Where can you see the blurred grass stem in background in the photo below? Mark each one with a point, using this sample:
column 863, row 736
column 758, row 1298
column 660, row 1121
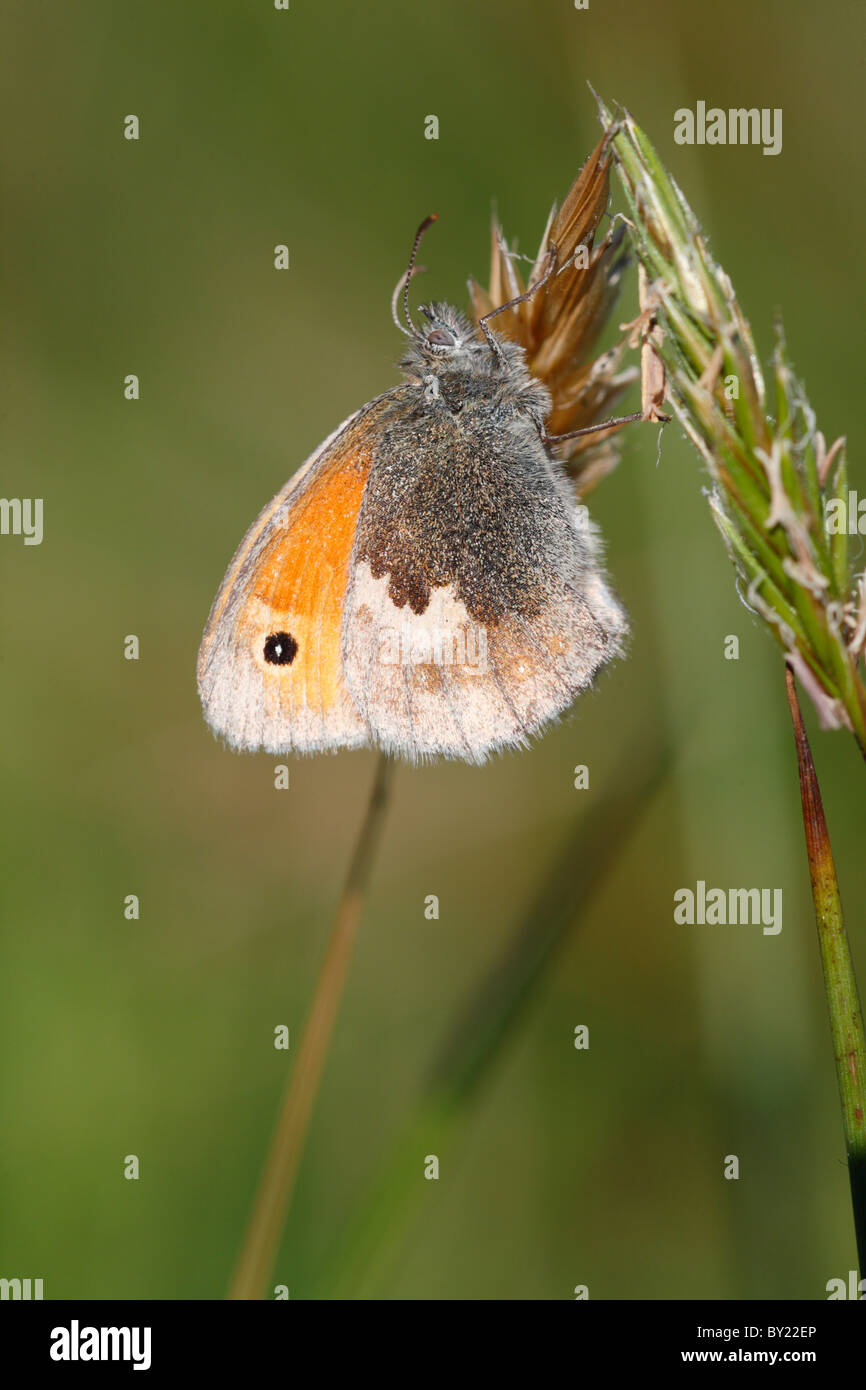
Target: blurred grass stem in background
column 274, row 1195
column 489, row 1018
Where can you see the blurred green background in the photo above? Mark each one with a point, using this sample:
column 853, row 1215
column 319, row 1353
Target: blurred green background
column 155, row 1037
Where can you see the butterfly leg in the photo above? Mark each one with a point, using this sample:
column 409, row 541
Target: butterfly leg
column 646, row 332
column 591, row 429
column 548, row 273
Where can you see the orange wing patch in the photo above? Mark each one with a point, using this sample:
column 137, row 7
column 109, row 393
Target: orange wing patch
column 270, row 665
column 301, row 581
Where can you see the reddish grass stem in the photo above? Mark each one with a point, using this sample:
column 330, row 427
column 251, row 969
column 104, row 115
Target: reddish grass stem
column 846, row 1019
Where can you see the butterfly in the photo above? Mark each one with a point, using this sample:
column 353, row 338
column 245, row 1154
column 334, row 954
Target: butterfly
column 427, row 583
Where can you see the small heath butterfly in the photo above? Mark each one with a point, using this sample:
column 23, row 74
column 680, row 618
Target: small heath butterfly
column 426, row 582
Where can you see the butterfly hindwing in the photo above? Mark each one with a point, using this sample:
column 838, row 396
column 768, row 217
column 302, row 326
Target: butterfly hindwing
column 476, row 611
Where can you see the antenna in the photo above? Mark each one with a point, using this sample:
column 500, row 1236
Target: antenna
column 410, row 270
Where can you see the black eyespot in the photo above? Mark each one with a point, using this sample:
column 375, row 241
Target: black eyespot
column 280, row 649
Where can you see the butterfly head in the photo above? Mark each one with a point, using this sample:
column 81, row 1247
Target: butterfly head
column 446, row 336
column 446, row 331
column 449, row 348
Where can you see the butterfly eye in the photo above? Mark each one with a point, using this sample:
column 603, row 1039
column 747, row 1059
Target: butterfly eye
column 440, row 337
column 280, row 649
